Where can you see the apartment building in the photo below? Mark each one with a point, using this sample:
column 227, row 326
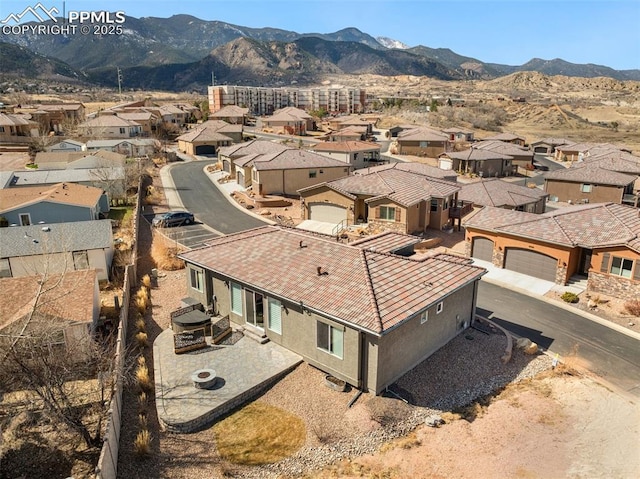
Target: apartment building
column 264, row 101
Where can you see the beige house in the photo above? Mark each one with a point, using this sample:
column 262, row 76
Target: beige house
column 484, row 163
column 520, row 155
column 504, row 194
column 385, row 197
column 547, row 146
column 357, row 154
column 67, row 310
column 286, row 172
column 228, row 154
column 208, row 137
column 459, row 135
column 288, row 121
column 109, row 125
column 232, row 114
column 422, row 141
column 598, row 241
column 56, row 117
column 508, row 138
column 146, row 119
column 350, row 133
column 17, row 128
column 362, row 315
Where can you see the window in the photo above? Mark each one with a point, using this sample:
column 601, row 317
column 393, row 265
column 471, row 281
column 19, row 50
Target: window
column 122, row 131
column 424, row 316
column 621, row 267
column 1, row 129
column 387, row 213
column 197, row 280
column 236, row 299
column 330, row 339
column 586, row 188
column 439, row 307
column 80, row 260
column 313, row 173
column 275, row 316
column 25, row 219
column 424, row 144
column 434, row 205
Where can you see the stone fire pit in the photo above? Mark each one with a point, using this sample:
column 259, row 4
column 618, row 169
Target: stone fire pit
column 204, row 378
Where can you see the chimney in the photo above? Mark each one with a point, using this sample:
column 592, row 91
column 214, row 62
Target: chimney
column 319, row 270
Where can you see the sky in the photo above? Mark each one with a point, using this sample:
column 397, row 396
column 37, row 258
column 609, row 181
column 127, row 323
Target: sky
column 509, row 32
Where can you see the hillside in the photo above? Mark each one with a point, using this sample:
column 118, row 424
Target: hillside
column 19, row 61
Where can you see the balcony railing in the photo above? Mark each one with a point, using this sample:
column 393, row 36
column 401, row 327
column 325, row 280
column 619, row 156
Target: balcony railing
column 460, row 211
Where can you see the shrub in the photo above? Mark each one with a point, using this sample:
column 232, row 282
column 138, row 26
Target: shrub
column 144, row 378
column 142, row 443
column 142, row 420
column 569, row 297
column 632, row 307
column 142, row 339
column 141, row 304
column 164, row 255
column 146, row 281
column 141, row 325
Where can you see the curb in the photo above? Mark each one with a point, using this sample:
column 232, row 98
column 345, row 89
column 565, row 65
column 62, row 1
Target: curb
column 566, row 307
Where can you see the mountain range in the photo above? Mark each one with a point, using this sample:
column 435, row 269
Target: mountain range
column 182, row 52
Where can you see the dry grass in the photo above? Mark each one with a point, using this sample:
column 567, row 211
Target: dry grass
column 406, row 442
column 142, row 339
column 142, row 443
column 144, row 378
column 164, row 255
column 259, row 434
column 146, row 281
column 632, row 307
column 141, row 326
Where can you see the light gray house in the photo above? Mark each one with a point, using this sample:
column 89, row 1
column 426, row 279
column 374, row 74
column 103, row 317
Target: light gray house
column 56, row 248
column 63, row 202
column 363, row 315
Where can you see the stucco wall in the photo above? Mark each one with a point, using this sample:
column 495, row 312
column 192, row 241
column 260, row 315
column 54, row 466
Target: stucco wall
column 570, row 191
column 326, row 195
column 288, row 182
column 398, row 351
column 434, row 149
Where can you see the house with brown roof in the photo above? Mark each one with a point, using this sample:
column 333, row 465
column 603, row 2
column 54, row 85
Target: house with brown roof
column 595, row 181
column 362, row 316
column 208, row 137
column 352, row 122
column 63, row 202
column 547, row 146
column 475, row 161
column 503, row 194
column 289, row 120
column 522, row 156
column 56, row 117
column 422, row 141
column 146, row 119
column 351, row 133
column 508, row 138
column 598, row 241
column 286, row 172
column 65, row 307
column 63, row 160
column 57, row 248
column 228, row 154
column 459, row 135
column 232, row 114
column 357, row 154
column 385, row 197
column 16, row 128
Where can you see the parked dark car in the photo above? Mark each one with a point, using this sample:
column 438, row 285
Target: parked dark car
column 173, row 218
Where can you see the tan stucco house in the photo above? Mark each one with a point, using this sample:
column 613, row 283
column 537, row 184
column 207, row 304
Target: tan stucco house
column 336, row 305
column 484, row 163
column 422, row 141
column 208, row 137
column 386, row 197
column 599, row 241
column 503, row 194
column 357, row 154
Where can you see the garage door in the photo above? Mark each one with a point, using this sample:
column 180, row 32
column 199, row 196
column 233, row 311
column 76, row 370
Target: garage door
column 530, row 262
column 226, row 166
column 482, row 249
column 327, row 213
column 205, row 150
column 541, row 149
column 240, row 178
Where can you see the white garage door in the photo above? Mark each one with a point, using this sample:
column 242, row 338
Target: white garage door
column 532, row 263
column 327, row 213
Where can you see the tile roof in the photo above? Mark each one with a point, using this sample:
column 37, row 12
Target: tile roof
column 386, row 242
column 293, row 158
column 422, row 134
column 346, row 146
column 596, row 225
column 595, row 173
column 417, row 168
column 475, row 154
column 63, row 193
column 8, row 119
column 289, row 113
column 624, row 163
column 105, row 121
column 67, row 297
column 495, row 192
column 371, row 291
column 61, row 237
column 458, row 130
column 505, row 137
column 60, row 106
column 403, row 187
column 252, row 147
column 504, row 148
column 211, row 130
column 552, row 141
column 229, row 111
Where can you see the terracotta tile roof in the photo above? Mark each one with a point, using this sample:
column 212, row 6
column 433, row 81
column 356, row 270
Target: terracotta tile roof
column 289, row 114
column 67, row 297
column 476, row 154
column 422, row 134
column 64, row 193
column 403, row 187
column 595, row 225
column 346, row 146
column 293, row 158
column 371, row 291
column 417, row 168
column 136, row 116
column 495, row 192
column 386, row 242
column 212, row 130
column 623, row 164
column 595, row 173
column 504, row 148
column 351, row 131
column 252, row 147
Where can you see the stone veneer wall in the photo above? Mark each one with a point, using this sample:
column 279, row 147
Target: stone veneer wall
column 613, row 285
column 376, row 225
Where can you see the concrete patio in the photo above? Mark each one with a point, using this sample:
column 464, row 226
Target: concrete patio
column 243, row 371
